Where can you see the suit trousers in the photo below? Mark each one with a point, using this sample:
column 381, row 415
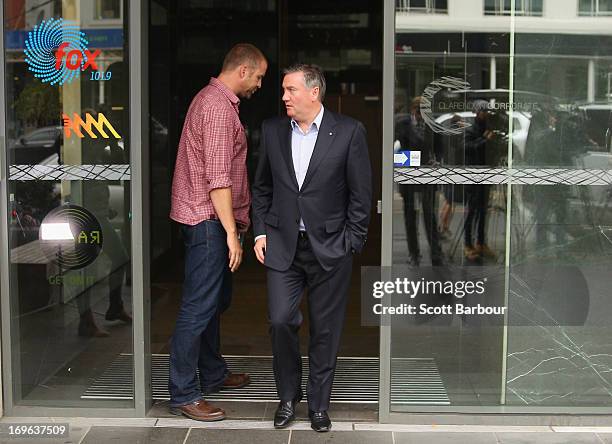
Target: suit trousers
column 327, row 300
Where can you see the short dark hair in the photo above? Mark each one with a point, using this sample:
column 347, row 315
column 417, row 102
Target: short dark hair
column 242, row 54
column 313, row 76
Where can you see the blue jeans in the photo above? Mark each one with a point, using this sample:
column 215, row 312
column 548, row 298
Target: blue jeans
column 206, row 294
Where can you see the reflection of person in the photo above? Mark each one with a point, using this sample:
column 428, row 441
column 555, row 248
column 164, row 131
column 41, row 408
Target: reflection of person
column 552, row 142
column 453, row 154
column 551, row 208
column 210, row 199
column 477, row 196
column 411, row 134
column 96, row 198
column 311, row 208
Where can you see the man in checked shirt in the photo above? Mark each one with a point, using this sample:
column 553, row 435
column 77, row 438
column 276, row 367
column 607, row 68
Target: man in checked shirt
column 211, row 199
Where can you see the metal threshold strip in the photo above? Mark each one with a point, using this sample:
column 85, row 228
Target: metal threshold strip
column 414, row 381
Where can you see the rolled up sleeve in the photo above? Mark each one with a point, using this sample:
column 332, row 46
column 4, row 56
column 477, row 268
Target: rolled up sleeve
column 219, row 149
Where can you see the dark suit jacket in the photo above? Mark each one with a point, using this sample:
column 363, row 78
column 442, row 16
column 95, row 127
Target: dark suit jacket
column 335, row 199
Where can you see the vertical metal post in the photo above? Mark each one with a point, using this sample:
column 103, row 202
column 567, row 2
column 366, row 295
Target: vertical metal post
column 384, row 397
column 139, row 149
column 6, row 393
column 502, row 399
column 591, row 81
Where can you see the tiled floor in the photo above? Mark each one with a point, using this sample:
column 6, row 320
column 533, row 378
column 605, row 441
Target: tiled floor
column 184, row 431
column 264, row 411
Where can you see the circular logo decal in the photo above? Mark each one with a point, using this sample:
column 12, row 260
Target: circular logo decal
column 447, row 83
column 58, row 35
column 71, row 236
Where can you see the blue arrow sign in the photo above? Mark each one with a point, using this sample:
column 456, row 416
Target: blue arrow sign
column 407, row 158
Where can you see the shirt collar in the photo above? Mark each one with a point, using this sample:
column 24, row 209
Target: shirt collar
column 225, row 90
column 316, row 122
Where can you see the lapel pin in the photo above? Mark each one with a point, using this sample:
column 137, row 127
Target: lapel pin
column 331, row 134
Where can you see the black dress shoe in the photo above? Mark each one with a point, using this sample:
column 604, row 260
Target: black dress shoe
column 319, row 421
column 285, row 412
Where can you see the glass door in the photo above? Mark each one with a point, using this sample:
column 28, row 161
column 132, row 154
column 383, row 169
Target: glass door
column 68, row 300
column 496, row 210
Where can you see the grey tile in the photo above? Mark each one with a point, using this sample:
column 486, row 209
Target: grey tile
column 509, row 420
column 233, row 410
column 354, row 412
column 160, row 409
column 226, row 436
column 75, row 436
column 547, row 438
column 243, row 410
column 605, row 437
column 445, row 438
column 135, row 435
column 311, row 437
column 337, row 412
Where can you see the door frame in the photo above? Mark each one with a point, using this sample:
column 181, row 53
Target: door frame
column 138, row 19
column 386, row 254
column 5, row 379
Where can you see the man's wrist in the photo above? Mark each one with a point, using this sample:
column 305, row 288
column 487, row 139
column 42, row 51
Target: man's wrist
column 260, row 237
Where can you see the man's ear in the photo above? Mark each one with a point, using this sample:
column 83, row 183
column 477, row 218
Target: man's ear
column 243, row 71
column 315, row 92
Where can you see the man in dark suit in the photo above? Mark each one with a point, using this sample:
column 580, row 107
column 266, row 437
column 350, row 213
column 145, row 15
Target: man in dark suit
column 311, row 208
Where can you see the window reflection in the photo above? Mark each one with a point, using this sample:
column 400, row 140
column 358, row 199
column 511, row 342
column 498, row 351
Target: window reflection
column 513, row 181
column 69, row 227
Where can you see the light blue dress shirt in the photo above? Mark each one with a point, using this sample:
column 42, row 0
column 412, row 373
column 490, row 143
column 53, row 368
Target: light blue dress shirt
column 302, row 146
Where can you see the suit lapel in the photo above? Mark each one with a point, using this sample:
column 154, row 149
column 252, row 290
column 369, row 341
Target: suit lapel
column 325, row 137
column 284, row 137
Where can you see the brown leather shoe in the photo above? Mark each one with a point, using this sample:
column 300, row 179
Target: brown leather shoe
column 236, row 380
column 200, row 411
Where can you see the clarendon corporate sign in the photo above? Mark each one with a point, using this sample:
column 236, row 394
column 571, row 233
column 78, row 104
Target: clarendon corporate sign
column 432, row 105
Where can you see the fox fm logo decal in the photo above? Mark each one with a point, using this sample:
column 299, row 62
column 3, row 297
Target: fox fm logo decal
column 56, row 52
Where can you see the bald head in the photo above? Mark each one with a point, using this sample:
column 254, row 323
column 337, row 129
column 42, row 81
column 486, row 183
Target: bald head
column 243, row 70
column 242, row 54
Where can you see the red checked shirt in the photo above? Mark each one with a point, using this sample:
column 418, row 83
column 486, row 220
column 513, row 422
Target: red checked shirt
column 211, row 154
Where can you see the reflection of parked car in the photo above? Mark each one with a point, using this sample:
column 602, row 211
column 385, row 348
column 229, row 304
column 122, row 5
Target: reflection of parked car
column 37, row 146
column 599, row 123
column 451, row 108
column 520, row 127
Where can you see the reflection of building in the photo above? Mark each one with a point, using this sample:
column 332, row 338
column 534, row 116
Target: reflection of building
column 562, row 47
column 100, row 20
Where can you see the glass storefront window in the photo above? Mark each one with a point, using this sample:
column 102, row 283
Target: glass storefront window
column 108, row 9
column 503, row 139
column 69, row 203
column 423, row 6
column 521, row 7
column 595, row 7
